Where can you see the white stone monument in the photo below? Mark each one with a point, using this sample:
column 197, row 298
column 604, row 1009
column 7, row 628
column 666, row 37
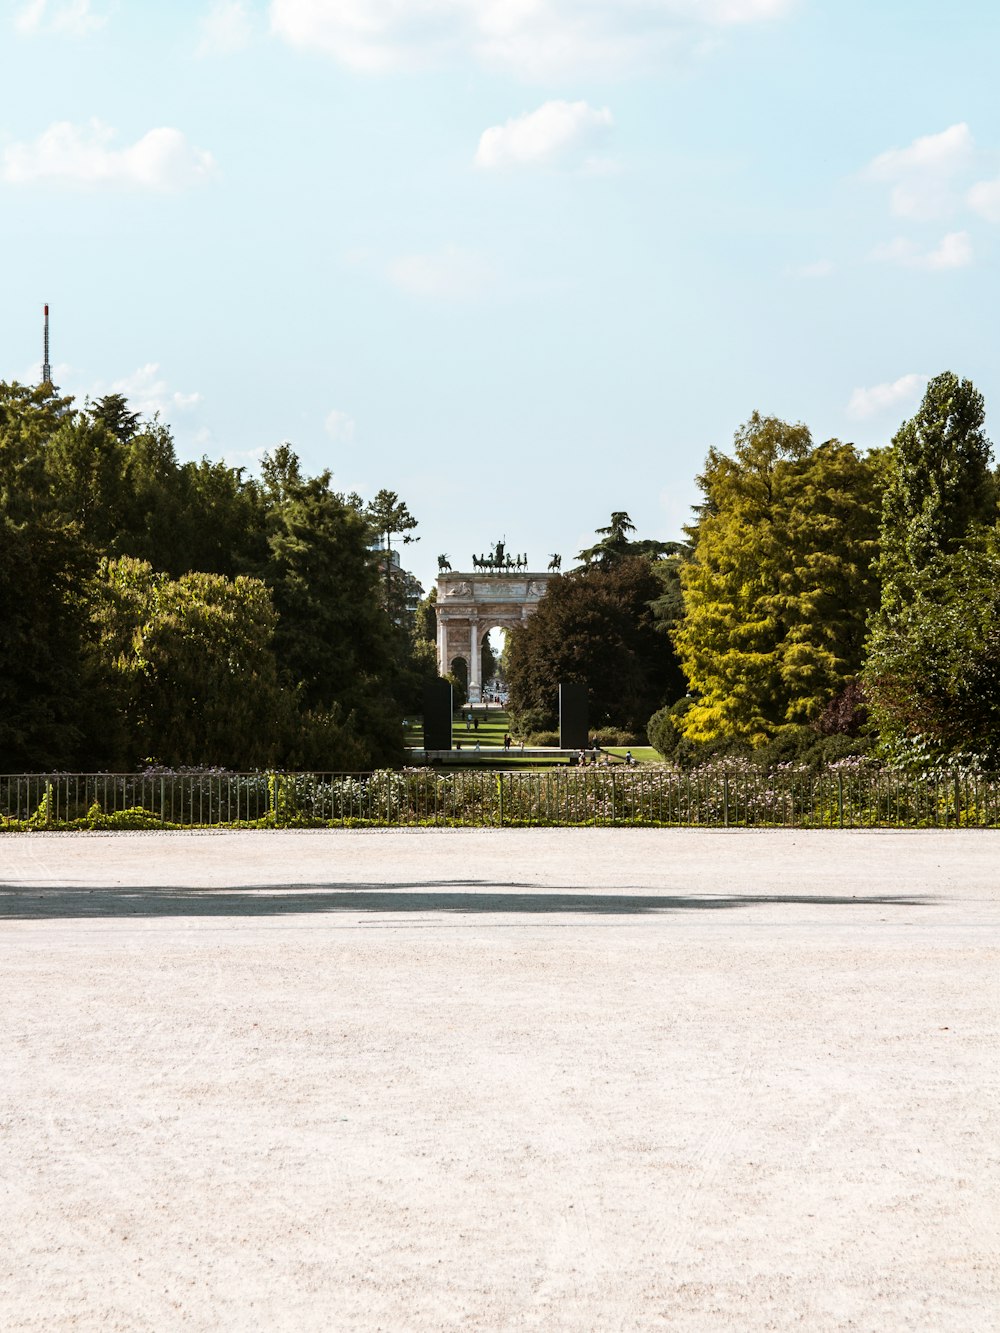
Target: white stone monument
column 470, row 605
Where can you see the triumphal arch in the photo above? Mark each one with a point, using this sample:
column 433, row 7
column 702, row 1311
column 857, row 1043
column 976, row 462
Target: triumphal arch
column 499, row 592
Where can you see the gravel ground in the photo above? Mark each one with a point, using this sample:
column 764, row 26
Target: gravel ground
column 500, row 1079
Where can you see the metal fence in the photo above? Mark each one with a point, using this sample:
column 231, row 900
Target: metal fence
column 721, row 796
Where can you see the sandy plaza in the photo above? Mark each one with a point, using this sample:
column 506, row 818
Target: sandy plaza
column 500, row 1079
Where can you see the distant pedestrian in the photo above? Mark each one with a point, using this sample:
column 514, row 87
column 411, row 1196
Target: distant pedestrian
column 628, row 757
column 506, row 740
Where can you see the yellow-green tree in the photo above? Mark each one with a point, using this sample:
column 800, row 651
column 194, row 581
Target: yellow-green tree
column 780, row 584
column 190, row 665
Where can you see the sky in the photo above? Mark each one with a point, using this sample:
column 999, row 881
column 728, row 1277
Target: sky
column 521, row 261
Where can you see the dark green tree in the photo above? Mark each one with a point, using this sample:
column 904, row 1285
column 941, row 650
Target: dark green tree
column 932, row 680
column 46, row 704
column 334, row 639
column 85, row 468
column 938, row 484
column 113, row 412
column 596, row 627
column 616, row 544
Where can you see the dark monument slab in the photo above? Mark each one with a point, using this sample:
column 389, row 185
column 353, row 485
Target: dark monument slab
column 437, row 714
column 574, row 721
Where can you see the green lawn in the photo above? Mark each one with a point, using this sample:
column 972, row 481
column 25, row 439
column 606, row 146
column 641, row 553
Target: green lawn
column 493, row 723
column 642, row 754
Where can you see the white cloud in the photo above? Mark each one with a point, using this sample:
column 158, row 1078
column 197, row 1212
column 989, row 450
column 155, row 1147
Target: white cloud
column 248, row 459
column 880, row 397
column 452, row 273
column 147, row 392
column 534, row 38
column 74, row 18
column 225, row 28
column 952, row 251
column 923, row 175
column 62, row 374
column 339, row 427
column 556, row 132
column 84, row 155
column 984, row 199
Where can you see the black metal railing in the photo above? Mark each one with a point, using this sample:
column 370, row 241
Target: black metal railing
column 852, row 795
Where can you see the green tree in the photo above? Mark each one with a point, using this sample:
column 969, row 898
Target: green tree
column 938, row 481
column 113, row 412
column 596, row 627
column 781, row 582
column 45, row 700
column 932, row 680
column 389, row 517
column 224, row 519
column 334, row 639
column 85, row 468
column 191, row 666
column 616, row 544
column 28, row 419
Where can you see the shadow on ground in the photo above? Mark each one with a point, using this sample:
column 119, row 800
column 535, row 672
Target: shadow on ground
column 24, row 903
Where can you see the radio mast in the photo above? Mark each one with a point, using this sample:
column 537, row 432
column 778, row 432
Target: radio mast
column 46, row 368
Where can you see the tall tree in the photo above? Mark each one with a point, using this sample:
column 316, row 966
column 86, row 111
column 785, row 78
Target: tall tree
column 938, row 480
column 389, row 517
column 781, row 582
column 932, row 679
column 45, row 694
column 85, row 467
column 595, row 627
column 113, row 412
column 616, row 544
column 191, row 666
column 28, row 419
column 334, row 639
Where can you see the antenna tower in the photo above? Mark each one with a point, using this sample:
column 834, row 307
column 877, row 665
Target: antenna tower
column 46, row 368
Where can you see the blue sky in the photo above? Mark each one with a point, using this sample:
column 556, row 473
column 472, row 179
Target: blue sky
column 522, row 261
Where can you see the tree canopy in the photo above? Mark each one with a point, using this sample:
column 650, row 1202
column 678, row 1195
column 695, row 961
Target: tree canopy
column 938, row 483
column 183, row 611
column 933, row 675
column 616, row 544
column 596, row 627
column 780, row 584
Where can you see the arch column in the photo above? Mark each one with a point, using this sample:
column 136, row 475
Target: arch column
column 475, row 663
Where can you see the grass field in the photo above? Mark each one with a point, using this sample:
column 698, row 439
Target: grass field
column 493, row 723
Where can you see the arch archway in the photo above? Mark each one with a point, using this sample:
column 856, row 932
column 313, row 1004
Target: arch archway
column 470, row 605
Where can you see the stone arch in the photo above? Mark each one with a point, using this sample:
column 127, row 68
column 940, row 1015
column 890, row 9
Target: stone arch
column 470, row 605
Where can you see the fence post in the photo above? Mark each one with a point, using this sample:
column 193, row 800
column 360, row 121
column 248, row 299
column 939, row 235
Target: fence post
column 840, row 798
column 958, row 798
column 500, row 797
column 725, row 800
